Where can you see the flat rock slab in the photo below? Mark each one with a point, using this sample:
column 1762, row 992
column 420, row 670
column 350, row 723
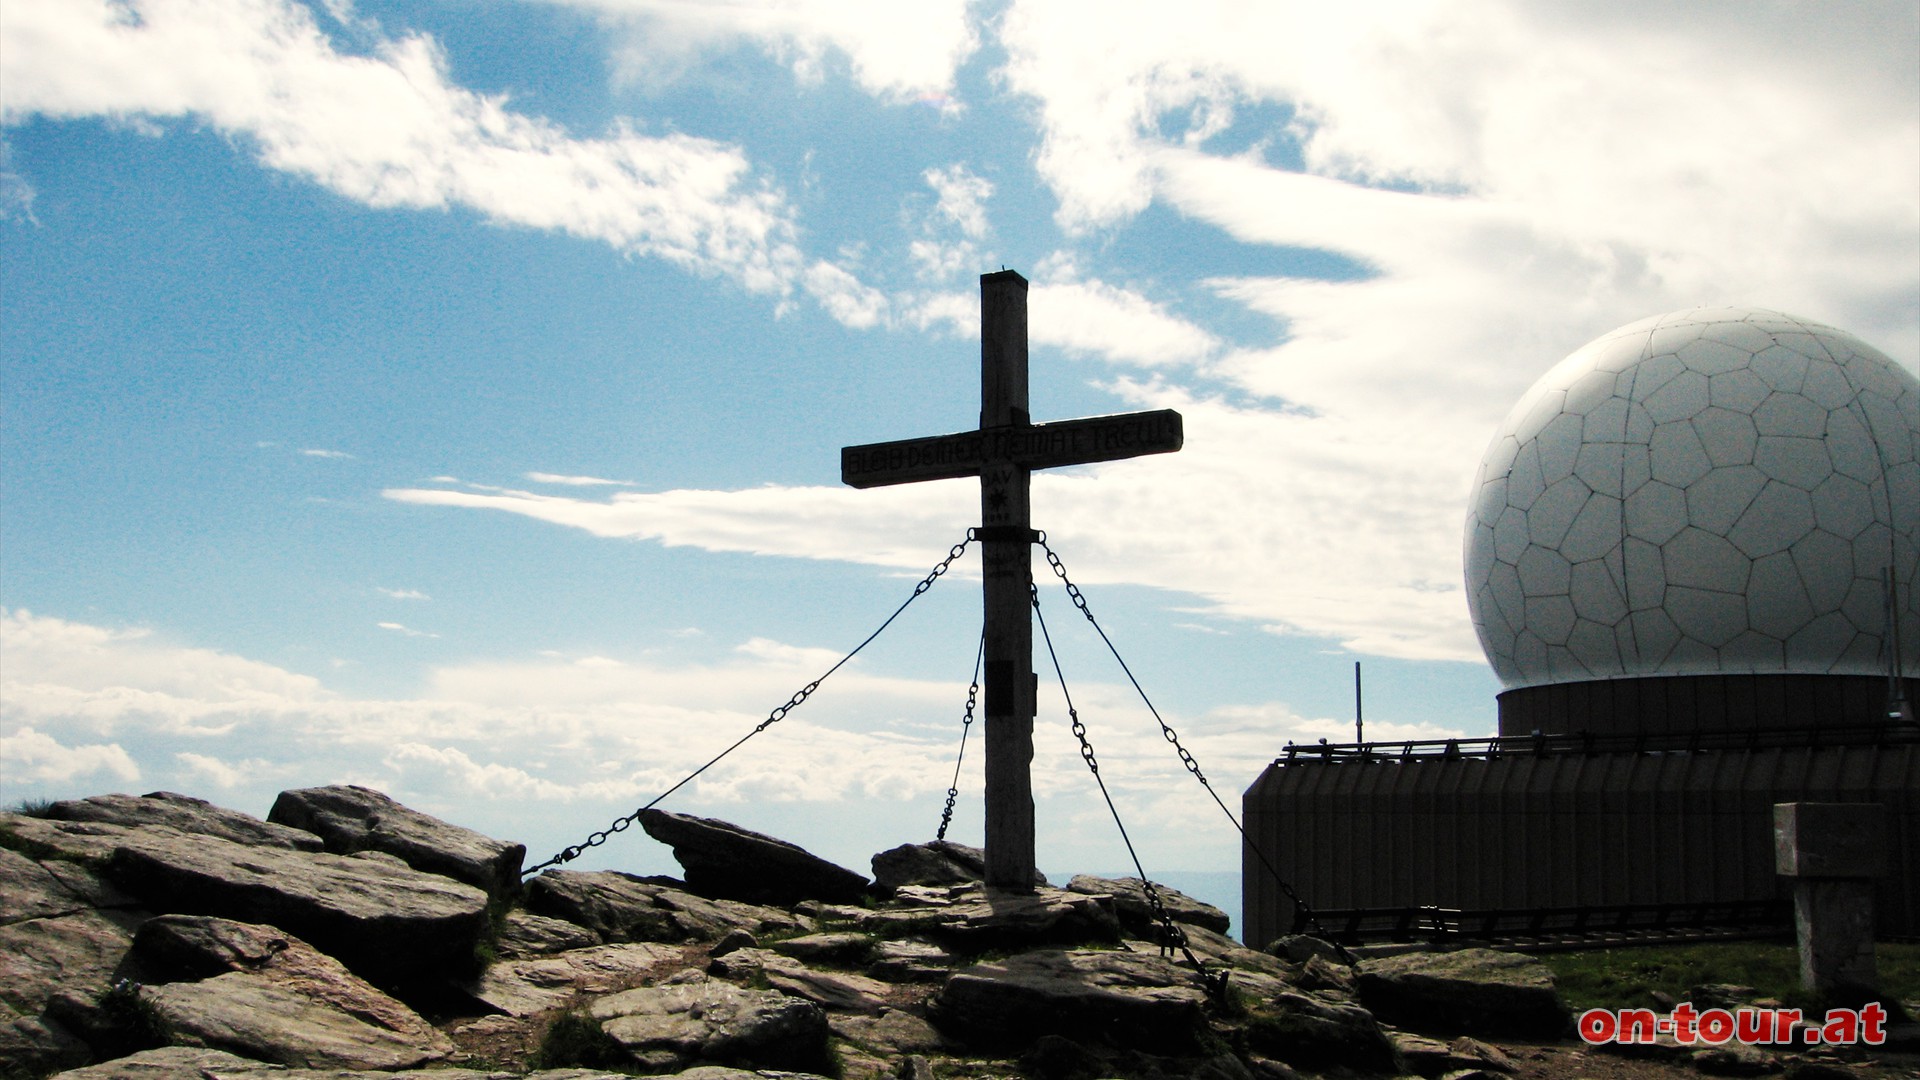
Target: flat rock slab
column 199, row 1063
column 524, row 935
column 695, row 1020
column 1116, row 998
column 183, row 812
column 1432, row 1057
column 271, row 1021
column 845, row 950
column 535, row 984
column 893, row 1034
column 1312, row 1032
column 621, row 907
column 44, row 838
column 1476, row 991
column 908, row 961
column 978, row 919
column 726, row 861
column 833, row 990
column 351, row 819
column 1136, row 912
column 275, row 998
column 381, row 920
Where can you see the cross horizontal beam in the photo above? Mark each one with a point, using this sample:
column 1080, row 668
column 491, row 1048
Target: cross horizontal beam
column 1028, row 446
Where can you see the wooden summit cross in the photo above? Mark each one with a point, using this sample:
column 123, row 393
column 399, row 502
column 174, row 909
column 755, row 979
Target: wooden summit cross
column 1003, row 453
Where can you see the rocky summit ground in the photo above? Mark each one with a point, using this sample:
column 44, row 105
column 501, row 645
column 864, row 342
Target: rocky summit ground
column 161, row 937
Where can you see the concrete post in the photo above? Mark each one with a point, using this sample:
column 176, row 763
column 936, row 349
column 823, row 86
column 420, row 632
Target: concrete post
column 1834, row 853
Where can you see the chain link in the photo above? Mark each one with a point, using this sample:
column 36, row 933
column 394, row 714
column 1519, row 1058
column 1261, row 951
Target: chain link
column 1172, row 936
column 622, row 824
column 966, row 725
column 1302, row 914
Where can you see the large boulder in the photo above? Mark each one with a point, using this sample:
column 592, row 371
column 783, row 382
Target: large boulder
column 621, row 907
column 1116, row 998
column 940, row 862
column 1475, row 991
column 694, row 1019
column 1314, row 1033
column 185, row 813
column 261, row 992
column 724, row 860
column 385, row 922
column 63, row 932
column 1136, row 912
column 351, row 819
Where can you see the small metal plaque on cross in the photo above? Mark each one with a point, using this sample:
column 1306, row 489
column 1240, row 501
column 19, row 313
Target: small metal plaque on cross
column 1003, row 453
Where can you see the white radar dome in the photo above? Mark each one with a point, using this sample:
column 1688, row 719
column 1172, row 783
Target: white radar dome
column 1710, row 491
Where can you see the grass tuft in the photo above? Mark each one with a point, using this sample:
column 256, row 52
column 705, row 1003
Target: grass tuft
column 1630, row 977
column 574, row 1040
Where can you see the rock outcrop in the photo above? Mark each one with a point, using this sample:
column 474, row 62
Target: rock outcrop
column 185, row 813
column 1136, row 912
column 1120, row 998
column 693, row 1018
column 384, row 921
column 725, row 861
column 350, row 819
column 1476, row 991
column 257, row 991
column 621, row 907
column 160, row 938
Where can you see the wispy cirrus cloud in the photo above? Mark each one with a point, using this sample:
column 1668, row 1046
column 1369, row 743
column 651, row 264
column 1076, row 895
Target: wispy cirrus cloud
column 390, row 128
column 567, row 481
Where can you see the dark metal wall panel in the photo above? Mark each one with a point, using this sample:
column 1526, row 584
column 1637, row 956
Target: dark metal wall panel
column 1523, row 830
column 1679, row 704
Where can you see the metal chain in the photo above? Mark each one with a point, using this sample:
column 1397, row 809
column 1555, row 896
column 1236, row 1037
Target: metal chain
column 1302, row 913
column 622, row 824
column 1172, row 936
column 966, row 725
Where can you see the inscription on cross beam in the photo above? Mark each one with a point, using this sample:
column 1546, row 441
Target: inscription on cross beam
column 1003, row 453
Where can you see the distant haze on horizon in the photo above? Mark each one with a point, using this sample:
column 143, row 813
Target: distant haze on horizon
column 448, row 399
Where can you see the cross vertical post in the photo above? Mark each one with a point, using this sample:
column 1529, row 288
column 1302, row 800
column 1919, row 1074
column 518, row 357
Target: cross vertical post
column 1003, row 452
column 1006, row 558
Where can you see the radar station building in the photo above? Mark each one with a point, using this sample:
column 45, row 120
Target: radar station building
column 1691, row 555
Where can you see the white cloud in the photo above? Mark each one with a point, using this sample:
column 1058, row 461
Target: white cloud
column 336, row 455
column 545, row 749
column 958, row 222
column 963, row 198
column 390, row 129
column 1118, row 324
column 901, row 52
column 33, row 756
column 566, row 481
column 850, row 302
column 231, row 776
column 403, row 629
column 42, row 651
column 401, row 594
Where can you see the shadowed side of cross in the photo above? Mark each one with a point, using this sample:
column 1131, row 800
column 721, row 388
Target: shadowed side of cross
column 1003, row 453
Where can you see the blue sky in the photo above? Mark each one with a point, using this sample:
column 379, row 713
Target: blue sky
column 448, row 397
